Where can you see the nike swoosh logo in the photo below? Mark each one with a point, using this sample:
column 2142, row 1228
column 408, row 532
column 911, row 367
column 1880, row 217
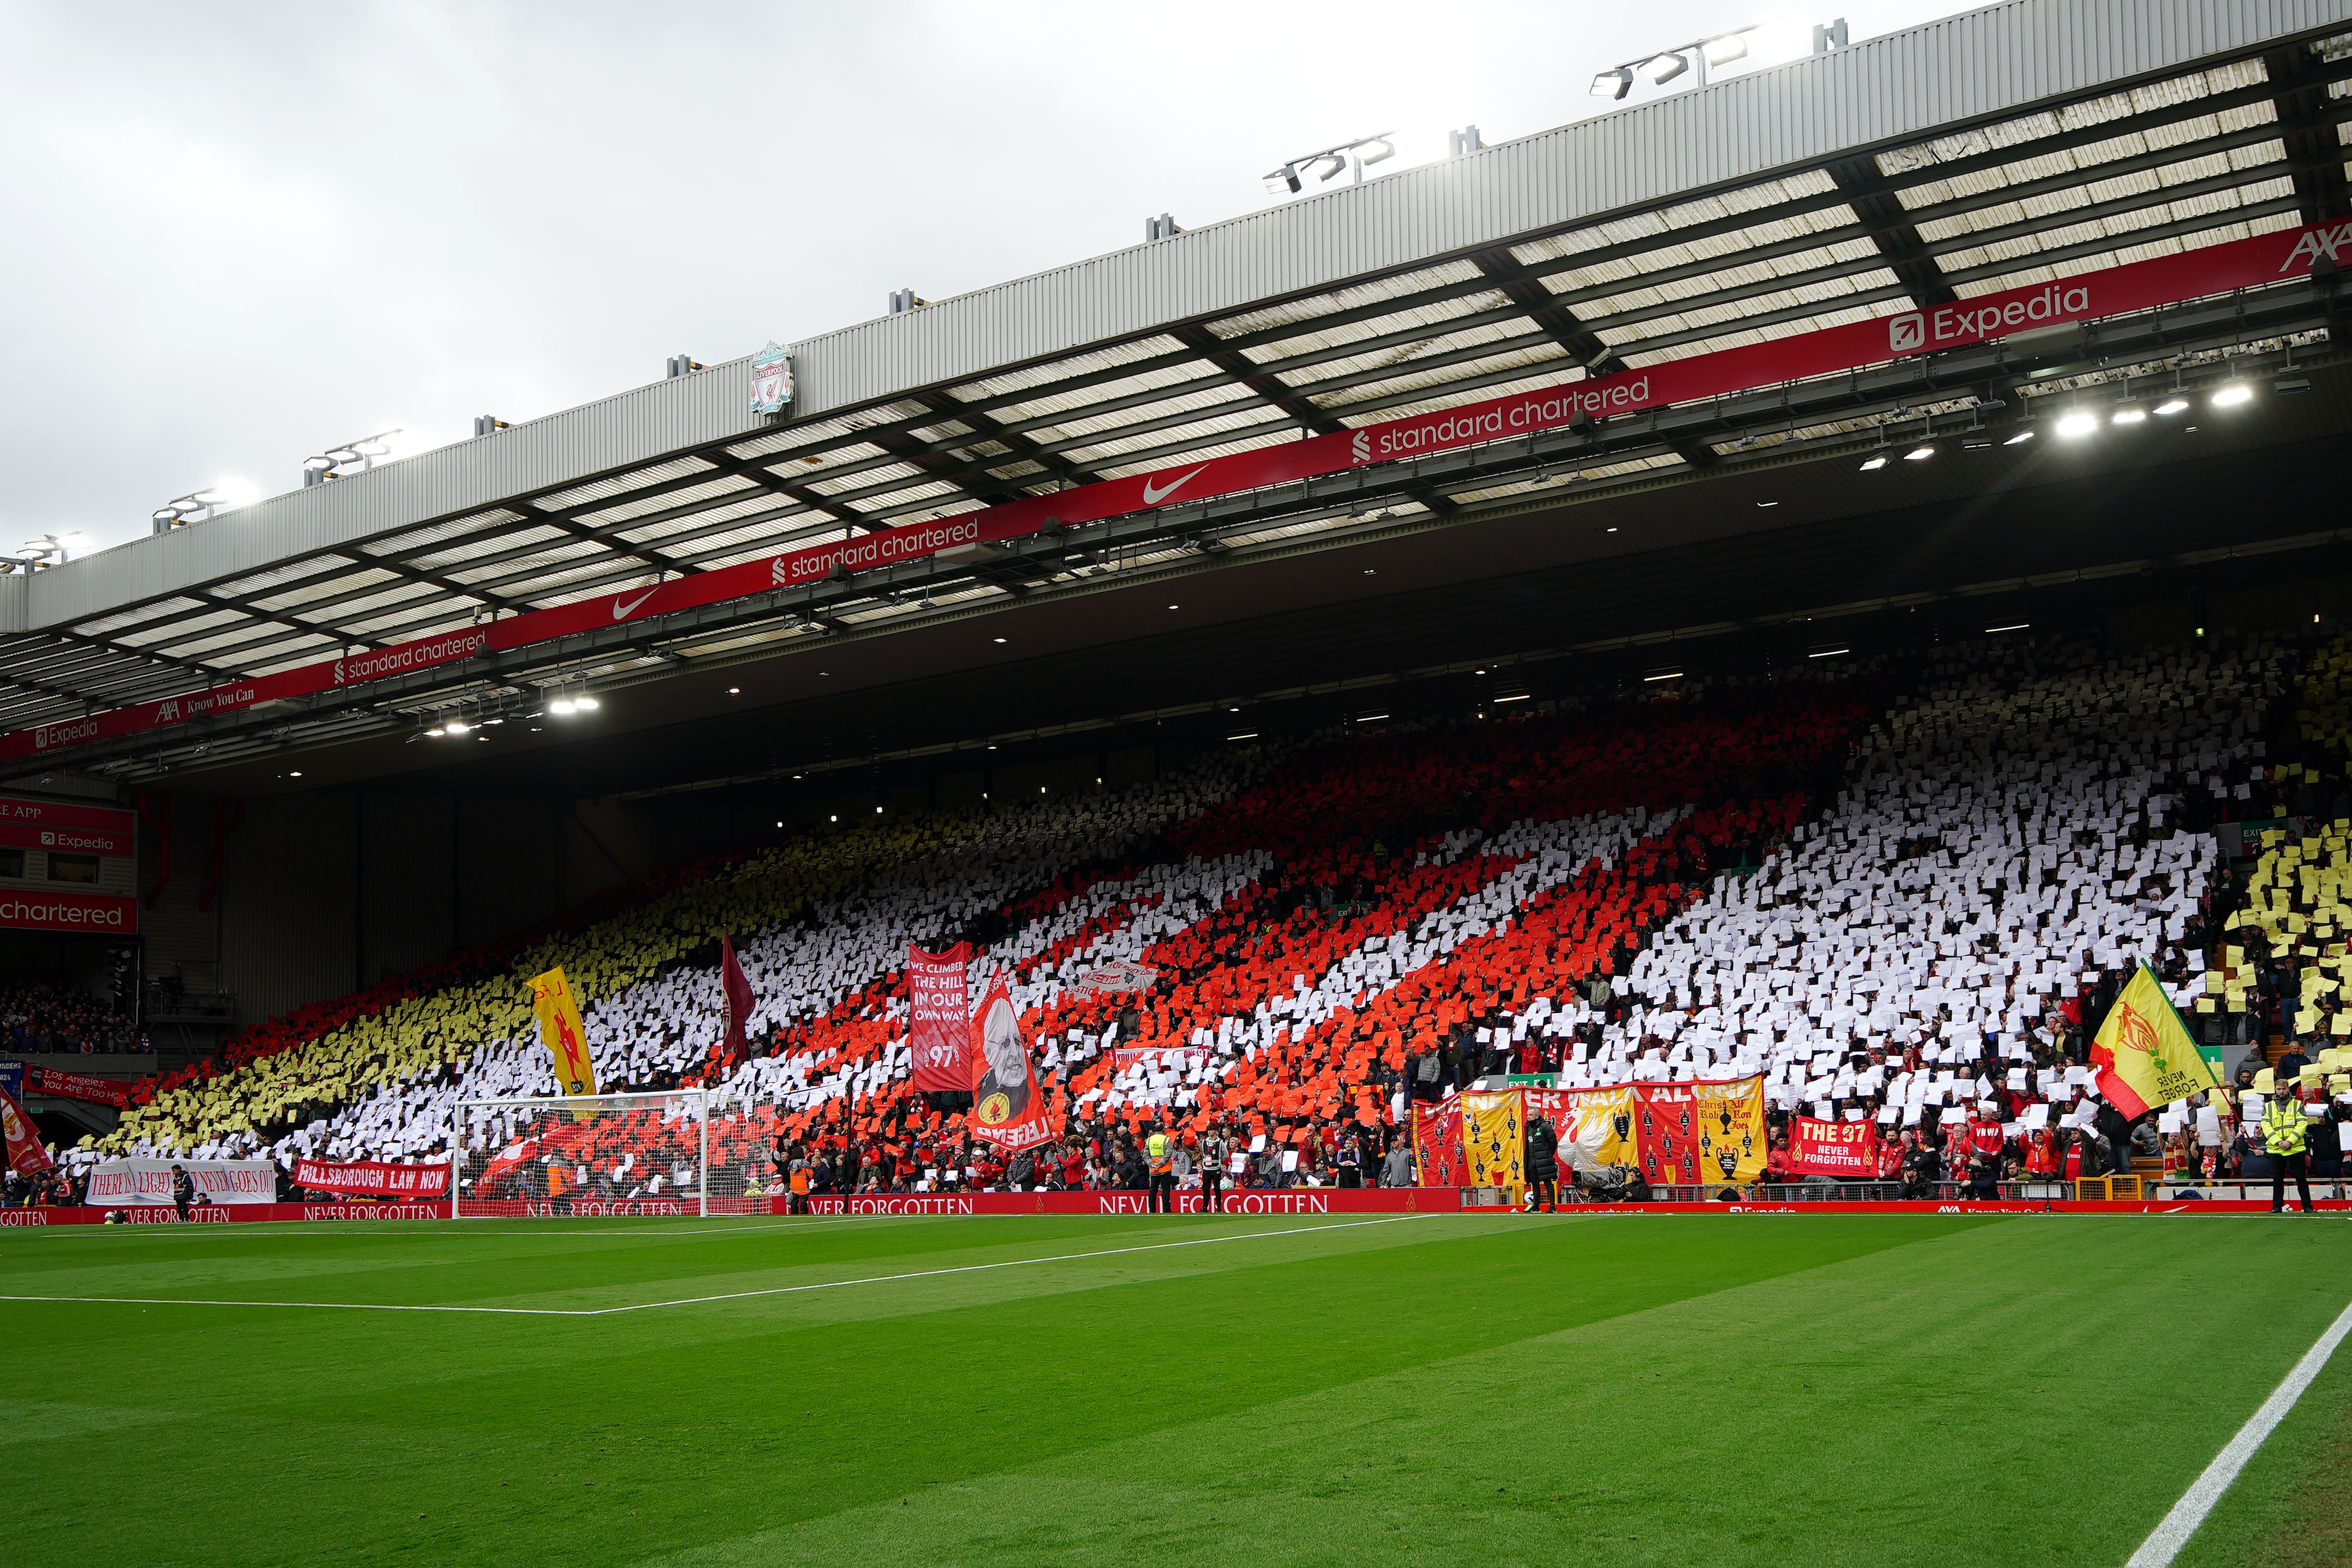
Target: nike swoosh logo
column 622, row 611
column 1154, row 494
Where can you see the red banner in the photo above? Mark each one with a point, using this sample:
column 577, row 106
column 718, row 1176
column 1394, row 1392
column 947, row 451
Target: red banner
column 1846, row 1150
column 939, row 1031
column 1665, row 1121
column 15, row 811
column 373, row 1177
column 2086, row 296
column 76, row 1086
column 65, row 840
column 737, row 986
column 20, row 1140
column 1008, row 1103
column 115, row 914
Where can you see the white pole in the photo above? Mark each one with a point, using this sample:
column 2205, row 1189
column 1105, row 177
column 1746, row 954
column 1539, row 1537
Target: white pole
column 704, row 1095
column 457, row 1141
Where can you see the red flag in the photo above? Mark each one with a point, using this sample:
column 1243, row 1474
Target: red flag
column 22, row 1139
column 939, row 1029
column 1008, row 1103
column 738, row 986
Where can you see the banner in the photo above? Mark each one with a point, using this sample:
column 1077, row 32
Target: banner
column 12, row 1078
column 18, row 814
column 559, row 1031
column 114, row 914
column 1595, row 1125
column 381, row 1178
column 2144, row 1056
column 1008, row 1103
column 20, row 1140
column 1113, row 976
column 737, row 987
column 1494, row 1142
column 938, row 1021
column 66, row 840
column 1846, row 1150
column 2085, row 296
column 1731, row 1141
column 1437, row 1143
column 120, row 1184
column 57, row 1085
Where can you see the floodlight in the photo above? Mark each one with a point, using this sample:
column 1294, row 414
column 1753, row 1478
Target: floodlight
column 457, row 727
column 1378, row 150
column 1331, row 167
column 2172, row 405
column 563, row 706
column 1663, row 68
column 2020, row 440
column 1283, row 181
column 2287, row 384
column 1614, row 83
column 2232, row 394
column 585, row 703
column 2129, row 414
column 1875, row 460
column 2077, row 424
column 1722, row 51
column 1919, row 454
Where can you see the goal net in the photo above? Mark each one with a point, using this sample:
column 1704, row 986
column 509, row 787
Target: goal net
column 675, row 1152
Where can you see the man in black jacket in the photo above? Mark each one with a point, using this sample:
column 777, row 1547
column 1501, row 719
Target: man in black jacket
column 1542, row 1167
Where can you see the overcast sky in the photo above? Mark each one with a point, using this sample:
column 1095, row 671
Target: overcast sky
column 233, row 235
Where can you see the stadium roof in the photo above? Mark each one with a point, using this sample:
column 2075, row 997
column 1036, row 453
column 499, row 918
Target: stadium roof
column 2028, row 142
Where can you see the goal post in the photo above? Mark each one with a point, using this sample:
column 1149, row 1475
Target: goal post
column 665, row 1151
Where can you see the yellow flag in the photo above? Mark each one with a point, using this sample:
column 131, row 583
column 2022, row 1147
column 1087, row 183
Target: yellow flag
column 2145, row 1056
column 559, row 1031
column 1493, row 1140
column 1731, row 1145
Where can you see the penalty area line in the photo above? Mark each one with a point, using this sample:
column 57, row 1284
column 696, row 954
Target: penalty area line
column 700, row 1300
column 2165, row 1541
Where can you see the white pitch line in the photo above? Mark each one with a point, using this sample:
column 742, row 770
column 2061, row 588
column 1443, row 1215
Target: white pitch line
column 980, row 1268
column 2165, row 1541
column 697, row 1300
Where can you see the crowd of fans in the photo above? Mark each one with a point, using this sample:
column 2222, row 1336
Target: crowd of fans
column 43, row 1018
column 1902, row 897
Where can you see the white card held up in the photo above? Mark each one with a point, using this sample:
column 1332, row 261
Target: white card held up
column 1290, row 1159
column 1257, row 1144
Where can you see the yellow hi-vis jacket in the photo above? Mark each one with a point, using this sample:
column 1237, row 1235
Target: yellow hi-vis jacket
column 2282, row 1126
column 1159, row 1149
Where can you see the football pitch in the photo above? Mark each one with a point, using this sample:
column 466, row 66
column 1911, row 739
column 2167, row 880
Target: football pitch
column 1478, row 1389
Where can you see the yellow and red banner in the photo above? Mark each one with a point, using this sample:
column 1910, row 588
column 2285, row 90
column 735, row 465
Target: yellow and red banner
column 559, row 1031
column 1846, row 1150
column 1595, row 1125
column 1494, row 1141
column 2144, row 1056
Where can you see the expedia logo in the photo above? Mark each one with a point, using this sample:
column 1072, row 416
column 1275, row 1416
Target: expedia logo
column 1359, row 447
column 48, row 839
column 1907, row 332
column 2319, row 243
column 48, row 735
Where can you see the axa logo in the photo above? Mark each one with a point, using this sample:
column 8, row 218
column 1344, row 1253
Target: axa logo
column 168, row 711
column 1907, row 332
column 2317, row 245
column 1359, row 447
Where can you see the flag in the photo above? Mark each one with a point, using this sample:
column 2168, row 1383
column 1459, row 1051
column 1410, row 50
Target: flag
column 21, row 1139
column 1008, row 1103
column 738, row 986
column 939, row 1020
column 1731, row 1145
column 559, row 1031
column 2144, row 1056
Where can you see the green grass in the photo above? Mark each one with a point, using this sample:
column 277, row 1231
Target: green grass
column 1488, row 1390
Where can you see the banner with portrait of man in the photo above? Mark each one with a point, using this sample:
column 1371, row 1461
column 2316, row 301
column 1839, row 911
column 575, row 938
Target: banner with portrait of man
column 1008, row 1103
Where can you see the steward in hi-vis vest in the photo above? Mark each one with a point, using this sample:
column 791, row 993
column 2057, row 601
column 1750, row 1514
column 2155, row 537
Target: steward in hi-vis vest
column 2284, row 1136
column 1160, row 1161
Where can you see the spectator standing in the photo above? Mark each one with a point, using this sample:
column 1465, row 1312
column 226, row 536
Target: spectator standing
column 1542, row 1167
column 184, row 1191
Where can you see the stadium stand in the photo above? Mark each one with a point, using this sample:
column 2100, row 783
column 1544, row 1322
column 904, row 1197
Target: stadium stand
column 1911, row 907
